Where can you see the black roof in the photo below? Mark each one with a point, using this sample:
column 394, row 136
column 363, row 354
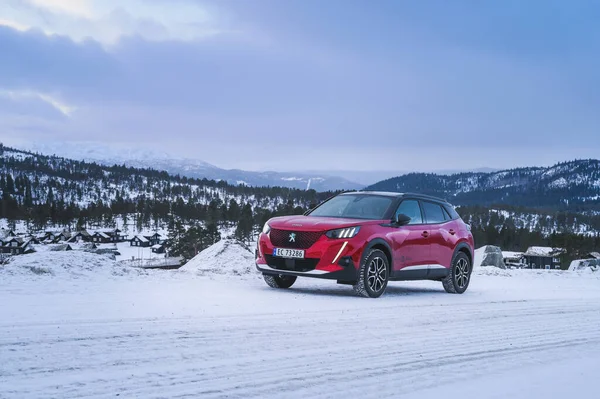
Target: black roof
column 398, row 195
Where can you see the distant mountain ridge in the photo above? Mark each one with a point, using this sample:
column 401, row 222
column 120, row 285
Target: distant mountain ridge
column 573, row 185
column 139, row 158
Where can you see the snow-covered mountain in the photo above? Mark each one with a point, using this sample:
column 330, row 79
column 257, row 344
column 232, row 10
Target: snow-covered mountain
column 142, row 158
column 573, row 185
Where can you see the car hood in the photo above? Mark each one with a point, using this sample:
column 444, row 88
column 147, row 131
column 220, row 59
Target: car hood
column 314, row 223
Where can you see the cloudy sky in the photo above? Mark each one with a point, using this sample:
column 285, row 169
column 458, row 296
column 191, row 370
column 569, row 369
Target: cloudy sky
column 307, row 84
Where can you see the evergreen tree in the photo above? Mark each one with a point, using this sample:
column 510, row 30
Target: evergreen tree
column 10, row 184
column 125, row 222
column 211, row 236
column 233, row 213
column 28, row 201
column 243, row 231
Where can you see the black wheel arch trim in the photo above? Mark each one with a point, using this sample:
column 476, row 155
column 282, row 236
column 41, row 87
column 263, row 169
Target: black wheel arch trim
column 379, row 241
column 460, row 247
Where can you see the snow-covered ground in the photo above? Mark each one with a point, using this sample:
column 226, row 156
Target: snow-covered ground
column 127, row 252
column 155, row 334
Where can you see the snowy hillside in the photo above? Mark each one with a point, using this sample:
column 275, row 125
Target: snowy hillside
column 140, row 158
column 531, row 220
column 559, row 186
column 51, row 191
column 84, row 183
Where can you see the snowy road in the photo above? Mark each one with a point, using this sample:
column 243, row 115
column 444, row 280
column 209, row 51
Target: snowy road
column 518, row 336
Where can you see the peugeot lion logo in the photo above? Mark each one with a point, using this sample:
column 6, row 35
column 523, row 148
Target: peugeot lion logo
column 292, row 237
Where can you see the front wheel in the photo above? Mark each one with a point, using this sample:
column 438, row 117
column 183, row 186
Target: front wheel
column 459, row 277
column 279, row 280
column 373, row 275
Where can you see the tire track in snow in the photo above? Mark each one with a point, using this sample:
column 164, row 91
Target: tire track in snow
column 265, row 355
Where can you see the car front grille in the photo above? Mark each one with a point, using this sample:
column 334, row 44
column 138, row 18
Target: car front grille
column 299, row 240
column 296, row 265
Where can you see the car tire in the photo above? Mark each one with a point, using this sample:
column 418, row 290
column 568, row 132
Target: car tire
column 279, row 281
column 459, row 277
column 373, row 275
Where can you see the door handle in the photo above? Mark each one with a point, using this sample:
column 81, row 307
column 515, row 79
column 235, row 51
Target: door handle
column 425, row 234
column 451, row 231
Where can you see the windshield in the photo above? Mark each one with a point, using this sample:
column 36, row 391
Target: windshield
column 358, row 206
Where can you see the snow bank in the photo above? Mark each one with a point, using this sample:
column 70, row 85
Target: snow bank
column 226, row 257
column 69, row 264
column 585, row 265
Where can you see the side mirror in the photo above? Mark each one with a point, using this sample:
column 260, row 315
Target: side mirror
column 401, row 219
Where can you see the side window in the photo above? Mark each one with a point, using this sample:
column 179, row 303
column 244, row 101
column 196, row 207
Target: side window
column 411, row 209
column 433, row 213
column 446, row 214
column 452, row 212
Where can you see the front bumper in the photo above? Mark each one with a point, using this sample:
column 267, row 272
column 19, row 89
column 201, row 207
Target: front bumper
column 345, row 274
column 327, row 258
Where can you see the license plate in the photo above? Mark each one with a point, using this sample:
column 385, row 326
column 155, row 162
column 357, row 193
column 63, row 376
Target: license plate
column 288, row 253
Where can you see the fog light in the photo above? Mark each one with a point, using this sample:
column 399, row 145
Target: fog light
column 345, row 261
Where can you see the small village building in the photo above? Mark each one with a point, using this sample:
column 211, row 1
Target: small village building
column 62, row 236
column 106, row 236
column 154, row 239
column 139, row 241
column 80, row 236
column 514, row 259
column 120, row 236
column 158, row 249
column 543, row 257
column 32, row 239
column 100, row 237
column 7, row 233
column 14, row 245
column 48, row 236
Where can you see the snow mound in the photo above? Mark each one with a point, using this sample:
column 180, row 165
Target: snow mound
column 226, row 257
column 489, row 255
column 69, row 264
column 585, row 265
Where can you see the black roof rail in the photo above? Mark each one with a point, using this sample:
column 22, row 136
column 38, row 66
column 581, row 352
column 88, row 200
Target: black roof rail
column 425, row 196
column 399, row 194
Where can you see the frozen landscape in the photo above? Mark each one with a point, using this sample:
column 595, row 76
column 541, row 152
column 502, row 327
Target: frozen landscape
column 148, row 148
column 81, row 326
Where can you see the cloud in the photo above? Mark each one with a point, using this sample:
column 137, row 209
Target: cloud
column 384, row 95
column 79, row 8
column 14, row 25
column 33, row 104
column 108, row 21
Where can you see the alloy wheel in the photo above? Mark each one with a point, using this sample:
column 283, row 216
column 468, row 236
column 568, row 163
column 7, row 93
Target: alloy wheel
column 376, row 274
column 461, row 274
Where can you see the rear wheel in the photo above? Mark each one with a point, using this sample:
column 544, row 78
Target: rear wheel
column 373, row 275
column 279, row 280
column 459, row 277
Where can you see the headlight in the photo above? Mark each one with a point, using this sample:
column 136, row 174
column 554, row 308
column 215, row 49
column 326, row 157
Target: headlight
column 348, row 232
column 266, row 228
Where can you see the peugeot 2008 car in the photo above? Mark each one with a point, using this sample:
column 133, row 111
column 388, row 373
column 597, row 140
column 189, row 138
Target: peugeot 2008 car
column 366, row 239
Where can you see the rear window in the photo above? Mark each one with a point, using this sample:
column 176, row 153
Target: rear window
column 433, row 213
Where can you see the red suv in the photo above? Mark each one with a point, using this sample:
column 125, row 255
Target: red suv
column 366, row 239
